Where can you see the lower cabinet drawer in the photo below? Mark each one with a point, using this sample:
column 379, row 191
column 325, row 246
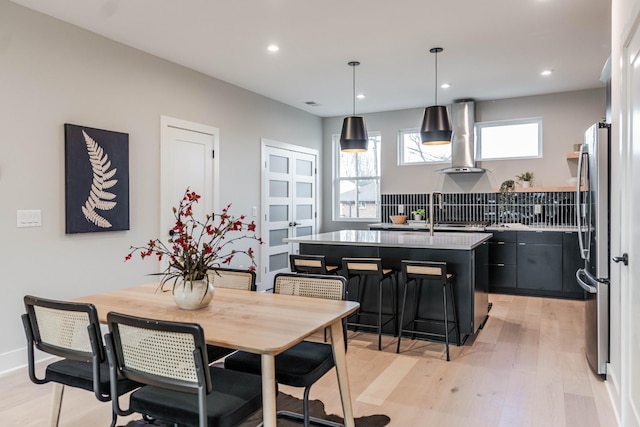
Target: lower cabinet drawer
column 502, row 275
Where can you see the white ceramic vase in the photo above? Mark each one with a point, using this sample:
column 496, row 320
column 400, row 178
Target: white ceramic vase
column 526, row 184
column 417, row 217
column 193, row 295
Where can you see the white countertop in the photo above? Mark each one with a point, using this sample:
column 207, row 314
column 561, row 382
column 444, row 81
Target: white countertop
column 409, row 239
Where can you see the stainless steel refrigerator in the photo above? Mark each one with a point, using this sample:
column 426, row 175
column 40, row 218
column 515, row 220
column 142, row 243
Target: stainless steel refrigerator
column 592, row 211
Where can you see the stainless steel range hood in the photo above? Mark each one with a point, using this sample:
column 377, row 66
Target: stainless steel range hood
column 463, row 148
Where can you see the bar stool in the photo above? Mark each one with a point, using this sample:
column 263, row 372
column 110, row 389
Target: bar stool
column 369, row 270
column 311, row 264
column 428, row 273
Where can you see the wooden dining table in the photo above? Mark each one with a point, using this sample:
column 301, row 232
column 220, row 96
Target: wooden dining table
column 262, row 323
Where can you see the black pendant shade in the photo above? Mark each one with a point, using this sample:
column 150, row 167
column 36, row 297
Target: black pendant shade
column 436, row 126
column 354, row 137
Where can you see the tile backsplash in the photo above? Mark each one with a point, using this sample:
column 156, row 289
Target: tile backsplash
column 545, row 208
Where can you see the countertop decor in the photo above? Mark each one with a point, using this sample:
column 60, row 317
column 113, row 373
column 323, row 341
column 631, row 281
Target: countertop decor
column 196, row 246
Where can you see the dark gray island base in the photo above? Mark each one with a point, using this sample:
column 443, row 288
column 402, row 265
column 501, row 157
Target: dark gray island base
column 466, row 255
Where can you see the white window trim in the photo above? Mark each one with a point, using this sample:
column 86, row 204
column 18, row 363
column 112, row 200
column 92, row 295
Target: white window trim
column 400, row 147
column 480, row 125
column 335, row 208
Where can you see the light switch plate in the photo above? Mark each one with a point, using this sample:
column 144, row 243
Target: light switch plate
column 29, row 218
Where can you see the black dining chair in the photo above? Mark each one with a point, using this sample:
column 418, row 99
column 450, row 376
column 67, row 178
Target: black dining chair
column 180, row 387
column 232, row 278
column 306, row 362
column 70, row 331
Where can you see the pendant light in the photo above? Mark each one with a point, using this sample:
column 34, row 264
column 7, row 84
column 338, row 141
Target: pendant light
column 354, row 137
column 436, row 126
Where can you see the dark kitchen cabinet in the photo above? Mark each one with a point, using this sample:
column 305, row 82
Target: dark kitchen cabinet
column 539, row 261
column 571, row 262
column 502, row 261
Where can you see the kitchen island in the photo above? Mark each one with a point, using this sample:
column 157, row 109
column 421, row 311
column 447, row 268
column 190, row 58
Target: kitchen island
column 466, row 255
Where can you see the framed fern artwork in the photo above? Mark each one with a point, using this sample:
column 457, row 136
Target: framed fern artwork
column 96, row 179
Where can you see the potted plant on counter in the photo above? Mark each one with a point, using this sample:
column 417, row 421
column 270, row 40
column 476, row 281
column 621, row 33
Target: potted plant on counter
column 525, row 179
column 418, row 214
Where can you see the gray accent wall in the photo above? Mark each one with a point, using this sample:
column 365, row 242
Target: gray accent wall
column 52, row 73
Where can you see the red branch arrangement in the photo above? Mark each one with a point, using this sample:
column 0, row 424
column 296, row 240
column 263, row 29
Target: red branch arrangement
column 195, row 246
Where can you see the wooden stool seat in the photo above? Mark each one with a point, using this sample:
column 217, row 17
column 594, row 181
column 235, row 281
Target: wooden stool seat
column 311, row 264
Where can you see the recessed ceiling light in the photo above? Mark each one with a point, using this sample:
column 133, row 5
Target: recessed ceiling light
column 361, row 96
column 445, row 85
column 546, row 73
column 273, row 48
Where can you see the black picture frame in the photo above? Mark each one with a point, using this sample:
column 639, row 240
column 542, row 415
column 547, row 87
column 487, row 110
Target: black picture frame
column 96, row 179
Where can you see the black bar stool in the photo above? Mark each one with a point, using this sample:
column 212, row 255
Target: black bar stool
column 369, row 272
column 311, row 264
column 426, row 273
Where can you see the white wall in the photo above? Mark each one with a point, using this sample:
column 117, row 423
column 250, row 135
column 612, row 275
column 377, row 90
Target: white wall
column 565, row 116
column 53, row 73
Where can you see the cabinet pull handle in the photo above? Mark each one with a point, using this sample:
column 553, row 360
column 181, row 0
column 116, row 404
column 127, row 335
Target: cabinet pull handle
column 500, row 265
column 501, row 243
column 522, row 244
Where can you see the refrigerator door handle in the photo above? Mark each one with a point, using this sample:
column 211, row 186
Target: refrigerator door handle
column 584, row 250
column 584, row 285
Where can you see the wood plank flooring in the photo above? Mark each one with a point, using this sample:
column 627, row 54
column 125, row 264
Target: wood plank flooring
column 526, row 368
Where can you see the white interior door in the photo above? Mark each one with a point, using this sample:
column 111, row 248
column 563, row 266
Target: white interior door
column 289, row 203
column 630, row 286
column 187, row 160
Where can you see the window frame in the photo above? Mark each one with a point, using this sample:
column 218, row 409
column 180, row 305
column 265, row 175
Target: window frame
column 337, row 179
column 401, row 159
column 508, row 122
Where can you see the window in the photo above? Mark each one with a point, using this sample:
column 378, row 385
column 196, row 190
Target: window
column 509, row 139
column 412, row 151
column 357, row 182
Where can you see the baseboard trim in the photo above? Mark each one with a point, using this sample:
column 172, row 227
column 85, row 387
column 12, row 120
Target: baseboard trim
column 17, row 359
column 613, row 390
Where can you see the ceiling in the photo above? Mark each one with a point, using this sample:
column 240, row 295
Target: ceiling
column 493, row 49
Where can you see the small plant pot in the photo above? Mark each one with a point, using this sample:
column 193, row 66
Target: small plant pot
column 526, row 184
column 417, row 217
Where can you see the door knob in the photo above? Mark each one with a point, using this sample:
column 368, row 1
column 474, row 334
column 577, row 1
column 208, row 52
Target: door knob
column 293, row 224
column 624, row 258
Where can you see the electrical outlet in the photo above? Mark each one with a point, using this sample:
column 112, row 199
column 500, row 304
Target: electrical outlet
column 400, row 209
column 254, row 211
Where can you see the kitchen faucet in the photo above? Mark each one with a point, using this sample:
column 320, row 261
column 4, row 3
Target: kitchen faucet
column 431, row 213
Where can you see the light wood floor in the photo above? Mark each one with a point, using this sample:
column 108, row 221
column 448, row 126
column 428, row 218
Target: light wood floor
column 526, row 368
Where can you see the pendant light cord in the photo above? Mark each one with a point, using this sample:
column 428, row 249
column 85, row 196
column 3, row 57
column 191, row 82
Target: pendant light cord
column 354, row 89
column 435, row 83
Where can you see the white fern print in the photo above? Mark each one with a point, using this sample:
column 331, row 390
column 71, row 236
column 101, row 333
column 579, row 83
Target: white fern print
column 99, row 198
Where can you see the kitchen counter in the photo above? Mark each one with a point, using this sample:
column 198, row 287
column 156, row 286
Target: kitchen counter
column 466, row 255
column 409, row 239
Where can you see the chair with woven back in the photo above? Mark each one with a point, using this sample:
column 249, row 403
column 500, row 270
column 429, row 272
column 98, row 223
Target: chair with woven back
column 233, row 278
column 308, row 361
column 180, row 386
column 70, row 331
column 229, row 278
